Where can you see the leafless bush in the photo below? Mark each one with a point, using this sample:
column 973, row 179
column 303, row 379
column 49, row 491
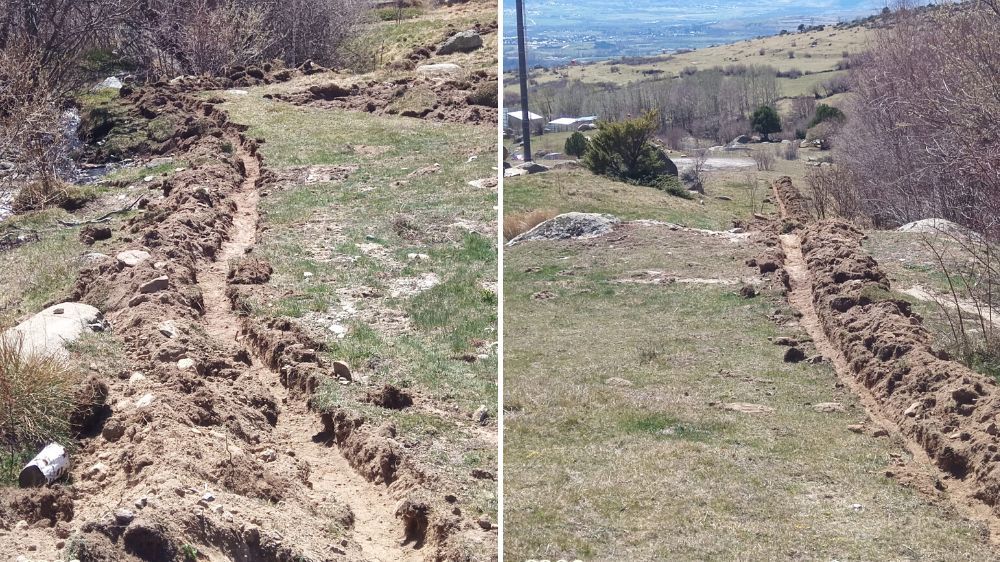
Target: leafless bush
column 833, row 193
column 970, row 266
column 790, row 150
column 764, row 158
column 920, row 140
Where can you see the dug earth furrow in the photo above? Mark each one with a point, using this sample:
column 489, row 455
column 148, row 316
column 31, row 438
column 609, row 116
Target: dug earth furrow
column 945, row 413
column 205, row 454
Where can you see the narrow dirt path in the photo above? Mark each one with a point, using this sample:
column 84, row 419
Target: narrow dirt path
column 375, row 528
column 922, row 469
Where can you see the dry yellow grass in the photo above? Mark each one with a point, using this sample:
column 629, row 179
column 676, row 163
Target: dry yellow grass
column 519, row 223
column 36, row 399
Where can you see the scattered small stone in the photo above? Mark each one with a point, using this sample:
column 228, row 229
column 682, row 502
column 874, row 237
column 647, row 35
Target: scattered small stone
column 124, row 516
column 912, row 410
column 828, row 407
column 136, row 378
column 747, row 408
column 132, row 258
column 880, row 432
column 417, row 257
column 617, row 381
column 185, row 364
column 141, row 502
column 269, row 455
column 168, row 329
column 815, row 359
column 857, row 507
column 146, row 400
column 307, row 274
column 786, row 341
column 98, row 471
column 338, row 330
column 342, row 370
column 480, row 415
column 155, row 285
column 147, row 179
column 794, row 355
column 857, row 428
column 485, row 523
column 208, row 497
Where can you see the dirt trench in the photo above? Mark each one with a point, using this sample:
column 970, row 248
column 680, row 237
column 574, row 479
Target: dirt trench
column 211, row 449
column 945, row 414
column 374, row 524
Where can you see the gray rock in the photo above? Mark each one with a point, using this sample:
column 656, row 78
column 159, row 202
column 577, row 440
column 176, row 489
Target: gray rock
column 444, row 70
column 481, row 415
column 155, row 285
column 463, row 42
column 167, row 328
column 47, row 332
column 666, row 166
column 124, row 516
column 342, row 370
column 532, row 167
column 132, row 258
column 570, row 225
column 110, row 83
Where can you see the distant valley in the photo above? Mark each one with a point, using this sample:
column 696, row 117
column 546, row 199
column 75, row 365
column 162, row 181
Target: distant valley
column 560, row 31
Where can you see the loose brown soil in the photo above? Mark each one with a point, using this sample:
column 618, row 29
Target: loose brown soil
column 945, row 413
column 457, row 100
column 211, row 442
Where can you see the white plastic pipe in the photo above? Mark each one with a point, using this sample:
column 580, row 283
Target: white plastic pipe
column 47, row 467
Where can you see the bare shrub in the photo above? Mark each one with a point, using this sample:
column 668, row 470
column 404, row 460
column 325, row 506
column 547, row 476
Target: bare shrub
column 213, row 36
column 790, row 151
column 970, row 266
column 764, row 158
column 519, row 223
column 920, row 140
column 833, row 193
column 36, row 400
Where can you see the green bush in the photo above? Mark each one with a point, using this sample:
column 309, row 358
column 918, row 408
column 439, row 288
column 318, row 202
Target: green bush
column 765, row 121
column 576, row 145
column 673, row 186
column 622, row 150
column 826, row 112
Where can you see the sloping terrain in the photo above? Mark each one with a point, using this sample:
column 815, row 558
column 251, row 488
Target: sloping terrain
column 302, row 363
column 666, row 401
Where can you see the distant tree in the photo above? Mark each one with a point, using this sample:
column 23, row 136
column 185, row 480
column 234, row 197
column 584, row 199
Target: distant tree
column 576, row 145
column 765, row 121
column 622, row 150
column 826, row 112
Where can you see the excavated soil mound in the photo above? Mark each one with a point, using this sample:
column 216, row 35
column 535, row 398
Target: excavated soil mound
column 471, row 99
column 793, row 204
column 185, row 449
column 950, row 411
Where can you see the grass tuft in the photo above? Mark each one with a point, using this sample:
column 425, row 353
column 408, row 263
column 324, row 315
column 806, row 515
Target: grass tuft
column 36, row 399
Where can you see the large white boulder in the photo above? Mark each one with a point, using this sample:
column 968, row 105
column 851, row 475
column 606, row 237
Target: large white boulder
column 48, row 332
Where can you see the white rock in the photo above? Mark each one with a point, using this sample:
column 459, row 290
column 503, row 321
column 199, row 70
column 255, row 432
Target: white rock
column 110, row 83
column 145, row 400
column 51, row 329
column 185, row 364
column 167, row 328
column 441, row 70
column 419, row 257
column 147, row 179
column 136, row 378
column 339, row 330
column 132, row 258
